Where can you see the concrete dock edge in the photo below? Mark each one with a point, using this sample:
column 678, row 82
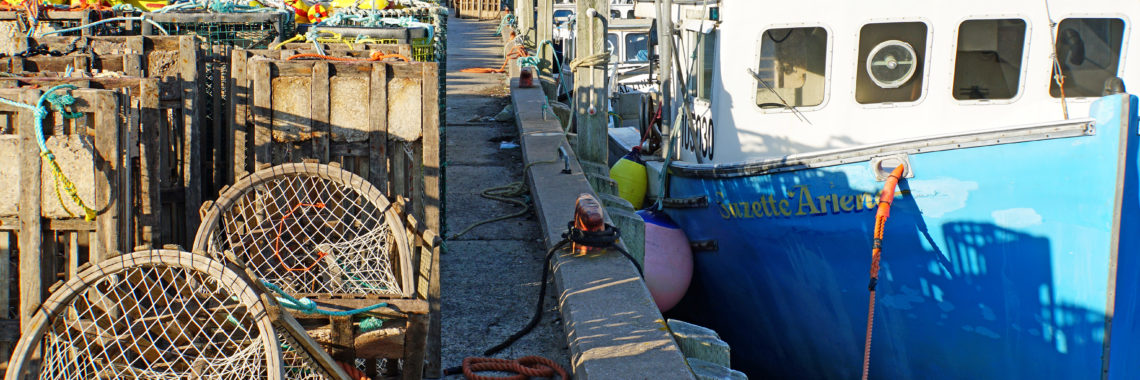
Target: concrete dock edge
column 613, row 328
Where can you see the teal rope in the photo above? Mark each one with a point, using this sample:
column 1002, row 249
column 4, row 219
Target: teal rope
column 307, row 306
column 100, row 22
column 508, row 19
column 57, row 101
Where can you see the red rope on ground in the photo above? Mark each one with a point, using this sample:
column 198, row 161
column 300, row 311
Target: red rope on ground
column 376, row 56
column 524, row 368
column 518, row 52
column 885, row 198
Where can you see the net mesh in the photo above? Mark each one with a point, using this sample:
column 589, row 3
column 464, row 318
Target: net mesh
column 309, row 235
column 154, row 322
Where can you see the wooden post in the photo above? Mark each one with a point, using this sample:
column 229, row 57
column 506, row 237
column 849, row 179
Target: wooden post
column 545, row 32
column 525, row 14
column 108, row 168
column 378, row 124
column 590, row 84
column 320, row 111
column 30, row 229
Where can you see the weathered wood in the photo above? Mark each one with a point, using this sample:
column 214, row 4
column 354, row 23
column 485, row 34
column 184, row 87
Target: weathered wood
column 150, row 156
column 432, row 148
column 240, row 99
column 434, row 344
column 320, row 112
column 262, row 112
column 415, row 347
column 589, row 83
column 30, row 232
column 5, row 273
column 285, row 323
column 378, row 124
column 342, row 339
column 192, row 139
column 108, row 194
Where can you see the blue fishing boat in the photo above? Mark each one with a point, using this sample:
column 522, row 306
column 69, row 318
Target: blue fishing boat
column 1010, row 251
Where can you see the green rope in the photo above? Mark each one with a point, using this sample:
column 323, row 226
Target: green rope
column 59, row 103
column 508, row 19
column 371, row 324
column 507, row 194
column 307, row 306
column 100, row 22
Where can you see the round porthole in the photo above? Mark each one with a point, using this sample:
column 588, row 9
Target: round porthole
column 891, row 63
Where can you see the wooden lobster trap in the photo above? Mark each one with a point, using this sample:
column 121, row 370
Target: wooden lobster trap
column 377, row 119
column 324, row 238
column 41, row 240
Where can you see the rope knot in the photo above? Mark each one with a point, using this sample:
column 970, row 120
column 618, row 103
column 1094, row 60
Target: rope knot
column 41, row 113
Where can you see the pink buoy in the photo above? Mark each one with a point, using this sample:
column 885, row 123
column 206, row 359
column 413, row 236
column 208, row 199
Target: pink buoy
column 668, row 260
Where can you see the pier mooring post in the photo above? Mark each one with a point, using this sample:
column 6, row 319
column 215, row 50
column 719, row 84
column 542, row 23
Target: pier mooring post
column 590, row 84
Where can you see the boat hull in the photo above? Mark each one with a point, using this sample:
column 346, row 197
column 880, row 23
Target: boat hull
column 999, row 261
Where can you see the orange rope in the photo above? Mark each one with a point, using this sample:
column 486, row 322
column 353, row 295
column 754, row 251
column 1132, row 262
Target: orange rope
column 518, row 52
column 376, row 56
column 524, row 368
column 353, row 372
column 885, row 198
column 277, row 242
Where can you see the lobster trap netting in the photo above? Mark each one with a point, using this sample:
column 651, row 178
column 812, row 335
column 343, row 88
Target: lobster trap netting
column 310, row 229
column 152, row 315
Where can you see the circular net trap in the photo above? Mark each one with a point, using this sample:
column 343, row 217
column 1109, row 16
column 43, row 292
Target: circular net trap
column 310, row 229
column 158, row 314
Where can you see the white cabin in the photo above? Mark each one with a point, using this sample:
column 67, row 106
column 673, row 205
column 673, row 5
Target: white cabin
column 839, row 74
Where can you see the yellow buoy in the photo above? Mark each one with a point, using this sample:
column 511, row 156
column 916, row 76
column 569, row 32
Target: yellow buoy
column 361, row 4
column 630, row 174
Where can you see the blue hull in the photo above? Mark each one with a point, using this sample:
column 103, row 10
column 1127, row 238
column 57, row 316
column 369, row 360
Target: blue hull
column 999, row 262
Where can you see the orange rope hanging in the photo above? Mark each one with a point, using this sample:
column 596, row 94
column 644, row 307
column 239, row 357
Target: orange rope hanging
column 376, row 56
column 524, row 368
column 518, row 52
column 885, row 198
column 277, row 242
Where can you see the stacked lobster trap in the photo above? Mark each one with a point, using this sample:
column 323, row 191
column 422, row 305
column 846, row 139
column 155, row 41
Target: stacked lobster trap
column 151, row 140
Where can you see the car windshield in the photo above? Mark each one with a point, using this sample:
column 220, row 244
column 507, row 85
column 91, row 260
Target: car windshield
column 637, row 47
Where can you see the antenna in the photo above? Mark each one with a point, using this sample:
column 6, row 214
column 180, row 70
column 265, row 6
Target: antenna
column 1058, row 76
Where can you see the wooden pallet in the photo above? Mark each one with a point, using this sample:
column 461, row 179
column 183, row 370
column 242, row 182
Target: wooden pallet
column 478, row 9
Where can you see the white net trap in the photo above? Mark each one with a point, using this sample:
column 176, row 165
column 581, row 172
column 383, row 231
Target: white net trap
column 310, row 229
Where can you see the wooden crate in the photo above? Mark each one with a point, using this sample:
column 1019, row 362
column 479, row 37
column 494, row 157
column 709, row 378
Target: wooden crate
column 175, row 62
column 58, row 19
column 378, row 119
column 157, row 207
column 479, row 9
column 33, row 228
column 411, row 330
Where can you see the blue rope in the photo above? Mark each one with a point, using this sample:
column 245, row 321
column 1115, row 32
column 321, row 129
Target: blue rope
column 307, row 306
column 100, row 22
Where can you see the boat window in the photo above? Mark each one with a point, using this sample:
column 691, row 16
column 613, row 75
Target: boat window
column 891, row 60
column 563, row 14
column 612, row 46
column 637, row 47
column 700, row 82
column 988, row 61
column 1088, row 51
column 793, row 63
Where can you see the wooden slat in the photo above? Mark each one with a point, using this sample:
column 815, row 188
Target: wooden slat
column 320, row 106
column 414, row 350
column 240, row 98
column 192, row 140
column 150, row 164
column 262, row 112
column 378, row 120
column 5, row 272
column 431, row 146
column 30, row 233
column 106, row 161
